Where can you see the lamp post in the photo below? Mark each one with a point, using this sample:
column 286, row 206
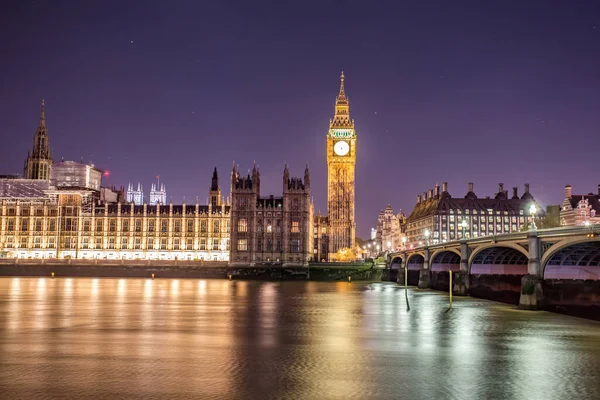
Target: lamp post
column 532, row 210
column 464, row 225
column 427, row 233
column 404, row 242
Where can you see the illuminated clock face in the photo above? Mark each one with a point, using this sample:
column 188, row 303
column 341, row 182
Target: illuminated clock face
column 341, row 148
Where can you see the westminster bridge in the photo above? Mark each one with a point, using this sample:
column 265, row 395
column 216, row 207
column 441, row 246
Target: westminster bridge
column 537, row 269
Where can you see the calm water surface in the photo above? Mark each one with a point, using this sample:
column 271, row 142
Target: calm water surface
column 129, row 338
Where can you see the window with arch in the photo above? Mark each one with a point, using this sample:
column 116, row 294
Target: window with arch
column 242, row 225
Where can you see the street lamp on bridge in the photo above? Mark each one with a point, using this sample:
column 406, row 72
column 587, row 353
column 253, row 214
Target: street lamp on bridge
column 464, row 225
column 532, row 210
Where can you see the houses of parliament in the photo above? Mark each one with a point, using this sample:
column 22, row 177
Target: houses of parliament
column 62, row 210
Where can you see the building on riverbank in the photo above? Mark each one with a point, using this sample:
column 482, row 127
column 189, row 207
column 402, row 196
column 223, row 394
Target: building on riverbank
column 391, row 229
column 271, row 229
column 580, row 209
column 439, row 217
column 39, row 220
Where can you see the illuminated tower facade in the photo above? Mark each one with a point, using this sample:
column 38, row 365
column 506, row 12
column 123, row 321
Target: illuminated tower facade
column 39, row 162
column 341, row 160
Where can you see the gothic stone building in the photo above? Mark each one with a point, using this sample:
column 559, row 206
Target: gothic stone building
column 439, row 217
column 271, row 229
column 42, row 221
column 579, row 209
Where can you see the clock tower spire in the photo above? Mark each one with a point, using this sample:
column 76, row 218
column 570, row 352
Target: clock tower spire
column 341, row 161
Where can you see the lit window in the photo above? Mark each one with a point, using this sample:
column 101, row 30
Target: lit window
column 295, row 226
column 242, row 245
column 242, row 226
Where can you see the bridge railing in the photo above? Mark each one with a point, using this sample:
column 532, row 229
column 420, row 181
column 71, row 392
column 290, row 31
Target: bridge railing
column 541, row 233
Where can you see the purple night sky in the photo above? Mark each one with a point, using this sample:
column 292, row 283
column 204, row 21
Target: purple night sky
column 457, row 91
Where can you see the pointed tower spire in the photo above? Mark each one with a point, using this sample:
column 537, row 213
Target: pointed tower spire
column 42, row 116
column 341, row 98
column 215, row 180
column 39, row 162
column 341, row 119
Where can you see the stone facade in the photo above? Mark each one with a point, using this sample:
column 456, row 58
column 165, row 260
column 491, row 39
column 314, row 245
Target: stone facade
column 320, row 237
column 70, row 223
column 271, row 229
column 439, row 217
column 391, row 229
column 580, row 209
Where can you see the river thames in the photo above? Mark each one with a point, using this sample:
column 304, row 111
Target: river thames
column 216, row 339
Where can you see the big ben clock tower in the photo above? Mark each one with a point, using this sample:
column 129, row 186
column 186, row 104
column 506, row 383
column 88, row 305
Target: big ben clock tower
column 341, row 159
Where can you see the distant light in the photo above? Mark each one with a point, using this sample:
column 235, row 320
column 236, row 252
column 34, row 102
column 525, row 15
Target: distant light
column 586, row 223
column 532, row 209
column 106, row 173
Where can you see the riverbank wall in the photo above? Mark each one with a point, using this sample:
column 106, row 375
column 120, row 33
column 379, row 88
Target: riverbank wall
column 189, row 269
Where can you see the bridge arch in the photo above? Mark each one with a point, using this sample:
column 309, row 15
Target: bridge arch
column 573, row 258
column 446, row 260
column 395, row 262
column 415, row 261
column 499, row 259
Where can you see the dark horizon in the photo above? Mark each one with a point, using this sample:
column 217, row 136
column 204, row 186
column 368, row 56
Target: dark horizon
column 458, row 92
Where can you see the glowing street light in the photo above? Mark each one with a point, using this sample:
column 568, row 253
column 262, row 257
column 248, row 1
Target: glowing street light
column 389, row 244
column 427, row 234
column 532, row 210
column 464, row 224
column 586, row 223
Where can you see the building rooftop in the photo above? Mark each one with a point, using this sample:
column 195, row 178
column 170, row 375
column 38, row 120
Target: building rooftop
column 13, row 189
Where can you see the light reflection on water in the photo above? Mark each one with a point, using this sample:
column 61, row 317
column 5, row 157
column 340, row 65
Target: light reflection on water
column 135, row 338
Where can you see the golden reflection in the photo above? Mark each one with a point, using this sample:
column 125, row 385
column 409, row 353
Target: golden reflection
column 14, row 304
column 268, row 305
column 241, row 289
column 68, row 287
column 39, row 318
column 147, row 289
column 342, row 286
column 15, row 286
column 41, row 288
column 94, row 291
column 175, row 287
column 202, row 288
column 122, row 288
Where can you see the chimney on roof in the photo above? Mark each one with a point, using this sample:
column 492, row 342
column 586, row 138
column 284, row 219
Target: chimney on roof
column 424, row 196
column 430, row 196
column 526, row 188
column 515, row 194
column 444, row 187
column 418, row 199
column 501, row 188
column 470, row 187
column 437, row 190
column 568, row 191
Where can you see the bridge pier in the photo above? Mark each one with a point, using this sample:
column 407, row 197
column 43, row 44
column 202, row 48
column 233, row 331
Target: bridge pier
column 424, row 273
column 461, row 279
column 532, row 295
column 402, row 271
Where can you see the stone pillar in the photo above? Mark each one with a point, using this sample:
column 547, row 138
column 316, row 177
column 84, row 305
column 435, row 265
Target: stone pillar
column 532, row 295
column 461, row 281
column 402, row 271
column 424, row 272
